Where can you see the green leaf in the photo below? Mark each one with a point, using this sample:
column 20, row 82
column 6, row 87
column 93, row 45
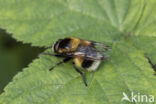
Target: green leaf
column 128, row 25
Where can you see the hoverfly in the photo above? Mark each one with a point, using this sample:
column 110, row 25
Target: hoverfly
column 84, row 53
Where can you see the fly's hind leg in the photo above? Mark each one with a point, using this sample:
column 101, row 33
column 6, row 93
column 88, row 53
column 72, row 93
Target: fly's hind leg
column 82, row 75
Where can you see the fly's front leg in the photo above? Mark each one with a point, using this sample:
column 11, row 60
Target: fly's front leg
column 63, row 61
column 57, row 55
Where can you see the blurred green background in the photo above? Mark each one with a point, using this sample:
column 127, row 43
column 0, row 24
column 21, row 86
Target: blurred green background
column 14, row 56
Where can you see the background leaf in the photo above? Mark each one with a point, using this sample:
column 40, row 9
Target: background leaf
column 13, row 57
column 128, row 25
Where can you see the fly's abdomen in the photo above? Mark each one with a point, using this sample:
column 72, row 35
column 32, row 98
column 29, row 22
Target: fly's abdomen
column 91, row 65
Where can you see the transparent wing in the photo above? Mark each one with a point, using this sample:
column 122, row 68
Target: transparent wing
column 84, row 55
column 105, row 50
column 102, row 47
column 91, row 52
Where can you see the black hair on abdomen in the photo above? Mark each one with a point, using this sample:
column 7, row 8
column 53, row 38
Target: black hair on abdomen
column 87, row 63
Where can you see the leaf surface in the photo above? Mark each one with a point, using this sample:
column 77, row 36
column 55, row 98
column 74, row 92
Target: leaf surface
column 129, row 26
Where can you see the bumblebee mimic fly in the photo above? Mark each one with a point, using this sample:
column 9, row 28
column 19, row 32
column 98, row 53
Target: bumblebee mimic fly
column 85, row 54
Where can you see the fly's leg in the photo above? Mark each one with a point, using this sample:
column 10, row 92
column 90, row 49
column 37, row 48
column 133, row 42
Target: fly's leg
column 57, row 55
column 82, row 75
column 63, row 61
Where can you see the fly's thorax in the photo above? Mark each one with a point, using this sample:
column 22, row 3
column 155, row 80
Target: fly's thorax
column 74, row 43
column 85, row 43
column 68, row 44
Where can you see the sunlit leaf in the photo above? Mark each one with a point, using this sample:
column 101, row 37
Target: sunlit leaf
column 128, row 25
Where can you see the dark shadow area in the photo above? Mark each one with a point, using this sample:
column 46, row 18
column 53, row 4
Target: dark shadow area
column 152, row 65
column 14, row 56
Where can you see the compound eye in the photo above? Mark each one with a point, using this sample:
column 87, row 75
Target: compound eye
column 65, row 44
column 56, row 45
